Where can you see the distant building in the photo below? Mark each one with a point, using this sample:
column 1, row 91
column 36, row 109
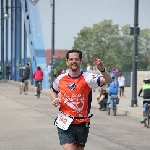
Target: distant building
column 59, row 53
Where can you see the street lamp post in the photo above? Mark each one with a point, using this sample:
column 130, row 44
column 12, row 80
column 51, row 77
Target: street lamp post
column 53, row 44
column 135, row 31
column 6, row 40
column 2, row 40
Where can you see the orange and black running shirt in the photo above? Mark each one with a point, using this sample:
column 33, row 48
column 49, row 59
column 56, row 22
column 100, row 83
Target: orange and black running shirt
column 76, row 94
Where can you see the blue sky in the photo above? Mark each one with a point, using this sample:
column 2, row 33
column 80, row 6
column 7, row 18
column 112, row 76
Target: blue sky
column 72, row 15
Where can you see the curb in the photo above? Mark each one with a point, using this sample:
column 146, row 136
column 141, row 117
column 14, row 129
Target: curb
column 121, row 112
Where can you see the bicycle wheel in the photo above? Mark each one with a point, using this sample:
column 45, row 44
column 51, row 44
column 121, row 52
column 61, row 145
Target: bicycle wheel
column 145, row 115
column 38, row 89
column 108, row 109
column 114, row 111
column 25, row 88
column 148, row 116
column 114, row 108
column 38, row 94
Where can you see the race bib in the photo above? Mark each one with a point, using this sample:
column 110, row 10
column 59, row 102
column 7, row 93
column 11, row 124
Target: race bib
column 63, row 121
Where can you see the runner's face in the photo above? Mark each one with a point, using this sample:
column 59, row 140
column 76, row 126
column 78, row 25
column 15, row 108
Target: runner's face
column 74, row 62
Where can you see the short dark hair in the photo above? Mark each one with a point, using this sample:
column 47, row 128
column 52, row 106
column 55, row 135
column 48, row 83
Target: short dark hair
column 27, row 64
column 38, row 68
column 74, row 51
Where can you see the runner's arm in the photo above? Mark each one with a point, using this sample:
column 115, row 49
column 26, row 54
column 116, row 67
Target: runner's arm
column 100, row 66
column 22, row 68
column 54, row 98
column 53, row 94
column 106, row 78
column 140, row 92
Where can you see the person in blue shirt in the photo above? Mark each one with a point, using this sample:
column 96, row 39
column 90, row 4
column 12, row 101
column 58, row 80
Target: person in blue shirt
column 113, row 90
column 113, row 87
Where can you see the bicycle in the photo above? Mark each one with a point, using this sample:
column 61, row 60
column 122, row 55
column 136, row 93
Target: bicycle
column 113, row 104
column 147, row 113
column 38, row 89
column 146, row 123
column 24, row 87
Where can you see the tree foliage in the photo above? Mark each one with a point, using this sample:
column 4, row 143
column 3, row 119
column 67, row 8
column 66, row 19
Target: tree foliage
column 113, row 45
column 60, row 63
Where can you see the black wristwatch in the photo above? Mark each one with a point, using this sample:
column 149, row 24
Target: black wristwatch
column 103, row 70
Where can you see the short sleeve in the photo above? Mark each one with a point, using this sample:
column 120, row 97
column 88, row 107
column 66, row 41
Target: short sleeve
column 55, row 86
column 93, row 80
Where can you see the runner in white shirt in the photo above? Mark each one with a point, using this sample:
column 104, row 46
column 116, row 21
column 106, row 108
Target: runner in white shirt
column 88, row 68
column 121, row 81
column 49, row 72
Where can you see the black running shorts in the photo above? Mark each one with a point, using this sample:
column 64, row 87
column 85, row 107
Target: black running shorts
column 76, row 134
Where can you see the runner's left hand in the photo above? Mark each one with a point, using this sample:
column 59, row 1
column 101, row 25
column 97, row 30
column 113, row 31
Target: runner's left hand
column 98, row 63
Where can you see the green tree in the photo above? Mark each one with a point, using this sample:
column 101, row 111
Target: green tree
column 104, row 39
column 113, row 45
column 144, row 50
column 126, row 43
column 60, row 63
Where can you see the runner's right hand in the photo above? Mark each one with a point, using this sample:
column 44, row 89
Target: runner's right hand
column 56, row 102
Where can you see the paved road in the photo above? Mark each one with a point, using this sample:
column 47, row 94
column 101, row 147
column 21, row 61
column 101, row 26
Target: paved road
column 26, row 123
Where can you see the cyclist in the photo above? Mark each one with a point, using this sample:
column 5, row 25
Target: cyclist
column 38, row 76
column 113, row 91
column 26, row 73
column 146, row 95
column 75, row 100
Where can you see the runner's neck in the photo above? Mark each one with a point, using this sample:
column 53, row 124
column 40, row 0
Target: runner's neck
column 74, row 74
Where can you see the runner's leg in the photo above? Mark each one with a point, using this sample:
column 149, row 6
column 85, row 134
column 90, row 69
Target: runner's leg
column 22, row 82
column 123, row 91
column 120, row 91
column 74, row 138
column 71, row 146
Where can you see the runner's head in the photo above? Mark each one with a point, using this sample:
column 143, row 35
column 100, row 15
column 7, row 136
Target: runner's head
column 74, row 59
column 74, row 51
column 38, row 68
column 27, row 64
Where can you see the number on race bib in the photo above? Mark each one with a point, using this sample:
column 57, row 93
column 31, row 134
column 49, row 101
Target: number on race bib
column 63, row 121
